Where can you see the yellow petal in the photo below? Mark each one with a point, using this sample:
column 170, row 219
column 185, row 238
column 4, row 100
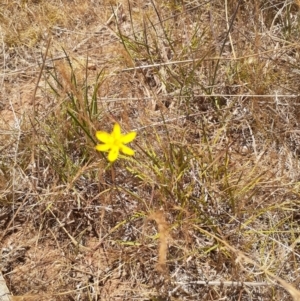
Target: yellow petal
column 128, row 137
column 127, row 150
column 104, row 137
column 116, row 133
column 113, row 154
column 102, row 147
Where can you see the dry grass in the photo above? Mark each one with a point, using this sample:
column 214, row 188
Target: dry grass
column 207, row 209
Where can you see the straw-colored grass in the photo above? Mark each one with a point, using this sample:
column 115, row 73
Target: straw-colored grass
column 207, row 209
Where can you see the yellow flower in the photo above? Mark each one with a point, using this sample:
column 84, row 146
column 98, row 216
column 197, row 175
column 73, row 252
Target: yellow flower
column 115, row 142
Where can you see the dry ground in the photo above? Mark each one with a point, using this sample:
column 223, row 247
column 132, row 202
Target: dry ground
column 208, row 208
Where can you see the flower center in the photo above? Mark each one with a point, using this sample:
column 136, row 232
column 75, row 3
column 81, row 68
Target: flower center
column 118, row 142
